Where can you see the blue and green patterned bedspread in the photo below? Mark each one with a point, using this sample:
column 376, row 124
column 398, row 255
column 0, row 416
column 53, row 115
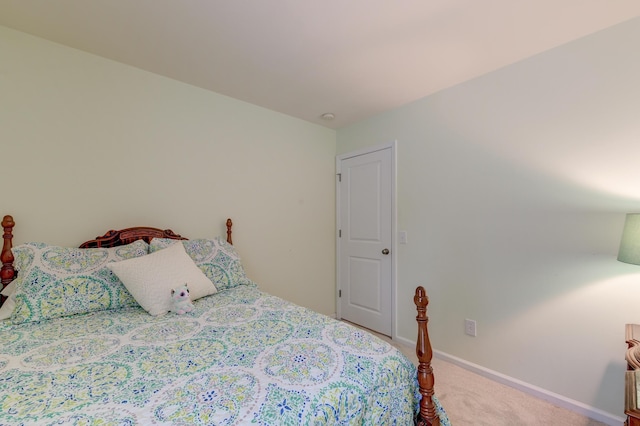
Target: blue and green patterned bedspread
column 242, row 357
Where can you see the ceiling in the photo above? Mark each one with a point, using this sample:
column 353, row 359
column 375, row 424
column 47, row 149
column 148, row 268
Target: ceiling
column 352, row 58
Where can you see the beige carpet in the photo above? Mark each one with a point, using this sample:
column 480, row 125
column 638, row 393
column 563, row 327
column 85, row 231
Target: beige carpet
column 471, row 399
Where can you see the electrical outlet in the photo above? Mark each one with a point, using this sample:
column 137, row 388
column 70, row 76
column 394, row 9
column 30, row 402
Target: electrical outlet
column 470, row 327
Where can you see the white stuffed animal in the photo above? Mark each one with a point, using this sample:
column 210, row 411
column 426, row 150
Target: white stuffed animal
column 180, row 300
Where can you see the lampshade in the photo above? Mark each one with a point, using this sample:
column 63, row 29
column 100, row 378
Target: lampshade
column 629, row 251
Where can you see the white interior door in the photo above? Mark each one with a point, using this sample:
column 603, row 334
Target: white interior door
column 365, row 204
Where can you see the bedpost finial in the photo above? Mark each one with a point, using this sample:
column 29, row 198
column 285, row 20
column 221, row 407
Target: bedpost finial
column 420, row 299
column 229, row 225
column 7, row 222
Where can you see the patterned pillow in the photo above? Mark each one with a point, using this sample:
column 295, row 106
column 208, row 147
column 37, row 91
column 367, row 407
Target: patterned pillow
column 216, row 258
column 22, row 258
column 58, row 281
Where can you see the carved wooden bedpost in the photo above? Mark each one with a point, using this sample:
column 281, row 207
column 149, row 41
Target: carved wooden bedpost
column 428, row 414
column 229, row 225
column 7, row 272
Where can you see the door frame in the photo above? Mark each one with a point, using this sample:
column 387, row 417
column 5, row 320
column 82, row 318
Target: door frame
column 394, row 241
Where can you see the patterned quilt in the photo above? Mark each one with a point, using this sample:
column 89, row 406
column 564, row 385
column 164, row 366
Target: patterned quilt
column 242, row 357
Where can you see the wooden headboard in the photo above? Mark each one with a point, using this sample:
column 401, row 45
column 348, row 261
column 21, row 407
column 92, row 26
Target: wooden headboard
column 114, row 238
column 111, row 238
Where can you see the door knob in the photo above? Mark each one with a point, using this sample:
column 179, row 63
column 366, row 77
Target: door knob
column 385, row 251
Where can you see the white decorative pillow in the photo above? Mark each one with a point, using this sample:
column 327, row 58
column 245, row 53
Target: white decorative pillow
column 10, row 288
column 8, row 306
column 151, row 278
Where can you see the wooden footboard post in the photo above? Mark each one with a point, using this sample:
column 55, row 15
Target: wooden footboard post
column 424, row 352
column 7, row 272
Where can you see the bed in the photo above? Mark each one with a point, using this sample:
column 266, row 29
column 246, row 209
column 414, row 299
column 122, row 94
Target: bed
column 78, row 347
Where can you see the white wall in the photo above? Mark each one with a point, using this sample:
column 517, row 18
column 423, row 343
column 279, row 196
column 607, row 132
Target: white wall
column 512, row 189
column 88, row 145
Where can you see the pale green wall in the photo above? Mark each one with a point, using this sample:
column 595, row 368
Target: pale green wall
column 512, row 189
column 88, row 144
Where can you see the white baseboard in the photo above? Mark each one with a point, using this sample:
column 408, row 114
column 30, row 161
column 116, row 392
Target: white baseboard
column 405, row 342
column 554, row 398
